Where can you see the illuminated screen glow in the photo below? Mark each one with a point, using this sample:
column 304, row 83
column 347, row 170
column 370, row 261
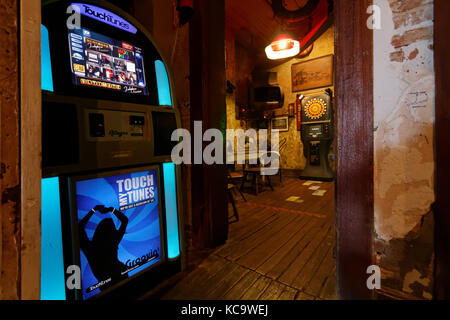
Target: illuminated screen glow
column 46, row 63
column 103, row 62
column 52, row 263
column 118, row 227
column 162, row 81
column 170, row 192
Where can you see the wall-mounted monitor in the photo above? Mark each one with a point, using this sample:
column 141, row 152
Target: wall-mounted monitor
column 116, row 227
column 266, row 97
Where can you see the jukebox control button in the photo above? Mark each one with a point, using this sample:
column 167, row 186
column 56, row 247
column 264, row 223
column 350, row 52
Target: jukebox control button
column 96, row 125
column 137, row 120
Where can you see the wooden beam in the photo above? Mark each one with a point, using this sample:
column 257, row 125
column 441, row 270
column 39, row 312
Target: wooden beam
column 442, row 142
column 354, row 178
column 30, row 147
column 207, row 85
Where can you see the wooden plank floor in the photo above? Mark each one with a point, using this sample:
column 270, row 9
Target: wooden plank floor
column 278, row 250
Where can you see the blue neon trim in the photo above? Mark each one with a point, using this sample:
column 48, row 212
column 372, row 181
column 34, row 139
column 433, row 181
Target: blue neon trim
column 162, row 81
column 46, row 63
column 52, row 263
column 170, row 192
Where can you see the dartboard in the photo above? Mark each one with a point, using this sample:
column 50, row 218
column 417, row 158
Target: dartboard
column 315, row 108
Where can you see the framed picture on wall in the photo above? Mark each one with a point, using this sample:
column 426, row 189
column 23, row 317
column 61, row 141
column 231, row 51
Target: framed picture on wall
column 312, row 74
column 280, row 123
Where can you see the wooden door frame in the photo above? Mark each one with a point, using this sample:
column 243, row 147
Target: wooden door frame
column 442, row 154
column 30, row 147
column 354, row 196
column 9, row 155
column 20, row 140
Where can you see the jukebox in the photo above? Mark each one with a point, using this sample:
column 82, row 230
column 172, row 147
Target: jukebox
column 111, row 197
column 317, row 134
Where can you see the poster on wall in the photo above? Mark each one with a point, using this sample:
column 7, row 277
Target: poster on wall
column 118, row 227
column 312, row 74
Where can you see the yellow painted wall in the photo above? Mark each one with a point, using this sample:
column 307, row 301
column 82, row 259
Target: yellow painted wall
column 292, row 156
column 239, row 66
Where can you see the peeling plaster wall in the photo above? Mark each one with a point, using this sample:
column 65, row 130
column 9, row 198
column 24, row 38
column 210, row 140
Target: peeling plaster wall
column 403, row 142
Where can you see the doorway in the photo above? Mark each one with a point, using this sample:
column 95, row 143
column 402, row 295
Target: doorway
column 283, row 242
column 354, row 176
column 354, row 188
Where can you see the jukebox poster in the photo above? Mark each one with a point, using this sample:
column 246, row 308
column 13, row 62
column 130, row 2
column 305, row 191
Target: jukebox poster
column 118, row 227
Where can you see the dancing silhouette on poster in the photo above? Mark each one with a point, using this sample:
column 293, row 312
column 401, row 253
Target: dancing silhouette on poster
column 101, row 251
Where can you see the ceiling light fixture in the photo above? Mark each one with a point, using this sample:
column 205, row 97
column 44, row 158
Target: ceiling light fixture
column 283, row 47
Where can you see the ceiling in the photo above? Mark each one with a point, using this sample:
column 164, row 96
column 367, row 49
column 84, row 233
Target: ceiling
column 251, row 20
column 255, row 25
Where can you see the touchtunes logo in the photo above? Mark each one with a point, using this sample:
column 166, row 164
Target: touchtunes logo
column 99, row 14
column 102, row 15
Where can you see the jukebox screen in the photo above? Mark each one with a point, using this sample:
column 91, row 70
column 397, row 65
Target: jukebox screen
column 102, row 62
column 118, row 228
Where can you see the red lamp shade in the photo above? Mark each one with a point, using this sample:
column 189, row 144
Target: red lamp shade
column 282, row 47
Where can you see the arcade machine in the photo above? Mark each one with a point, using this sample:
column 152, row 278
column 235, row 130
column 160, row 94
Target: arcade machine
column 317, row 134
column 111, row 197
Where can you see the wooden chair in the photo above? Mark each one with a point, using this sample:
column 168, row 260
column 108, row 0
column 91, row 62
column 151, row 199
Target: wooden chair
column 235, row 178
column 263, row 171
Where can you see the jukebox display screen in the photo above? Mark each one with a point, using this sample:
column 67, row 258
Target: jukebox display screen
column 103, row 62
column 118, row 223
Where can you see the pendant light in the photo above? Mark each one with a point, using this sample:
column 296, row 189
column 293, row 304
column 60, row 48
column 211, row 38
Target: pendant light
column 282, row 47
